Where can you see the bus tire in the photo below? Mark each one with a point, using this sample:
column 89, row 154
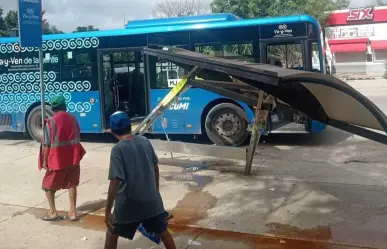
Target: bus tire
column 226, row 124
column 34, row 122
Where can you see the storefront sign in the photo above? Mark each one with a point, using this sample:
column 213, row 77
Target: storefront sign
column 360, row 14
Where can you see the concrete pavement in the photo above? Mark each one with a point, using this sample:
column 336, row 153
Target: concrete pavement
column 299, row 197
column 322, row 191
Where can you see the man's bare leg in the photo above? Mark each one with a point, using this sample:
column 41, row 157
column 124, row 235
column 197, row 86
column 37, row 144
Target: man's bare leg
column 73, row 203
column 167, row 239
column 111, row 240
column 51, row 202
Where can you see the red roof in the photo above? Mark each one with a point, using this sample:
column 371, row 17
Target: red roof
column 348, row 41
column 351, row 47
column 379, row 45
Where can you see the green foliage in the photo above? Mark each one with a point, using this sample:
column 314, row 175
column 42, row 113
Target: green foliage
column 11, row 20
column 320, row 9
column 48, row 29
column 7, row 22
column 85, row 29
column 2, row 23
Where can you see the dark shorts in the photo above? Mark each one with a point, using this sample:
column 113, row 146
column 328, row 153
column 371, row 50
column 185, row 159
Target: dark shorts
column 156, row 224
column 61, row 179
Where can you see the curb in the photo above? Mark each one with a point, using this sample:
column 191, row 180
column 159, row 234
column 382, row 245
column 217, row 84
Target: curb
column 360, row 78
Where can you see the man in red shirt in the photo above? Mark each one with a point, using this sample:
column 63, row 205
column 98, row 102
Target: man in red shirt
column 60, row 155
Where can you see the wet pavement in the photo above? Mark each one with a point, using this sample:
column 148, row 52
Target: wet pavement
column 324, row 194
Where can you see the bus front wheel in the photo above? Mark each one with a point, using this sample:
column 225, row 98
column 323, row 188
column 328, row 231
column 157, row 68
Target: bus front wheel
column 225, row 125
column 34, row 122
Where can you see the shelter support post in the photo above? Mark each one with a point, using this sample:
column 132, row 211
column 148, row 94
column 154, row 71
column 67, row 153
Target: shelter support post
column 180, row 88
column 259, row 123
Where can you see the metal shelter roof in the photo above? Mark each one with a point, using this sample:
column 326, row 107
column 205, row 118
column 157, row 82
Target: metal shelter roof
column 322, row 97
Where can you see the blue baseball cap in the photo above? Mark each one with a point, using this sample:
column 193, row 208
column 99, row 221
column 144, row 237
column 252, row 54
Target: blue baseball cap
column 119, row 120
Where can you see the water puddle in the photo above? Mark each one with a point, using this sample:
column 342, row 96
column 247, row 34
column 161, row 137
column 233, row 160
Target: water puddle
column 195, row 167
column 193, row 207
column 195, row 204
column 253, row 241
column 341, row 234
column 191, row 180
column 282, row 236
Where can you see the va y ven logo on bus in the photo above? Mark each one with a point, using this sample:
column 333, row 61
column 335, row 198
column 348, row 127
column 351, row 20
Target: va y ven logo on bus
column 361, row 14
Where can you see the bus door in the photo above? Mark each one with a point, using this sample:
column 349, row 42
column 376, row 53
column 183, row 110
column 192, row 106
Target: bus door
column 287, row 53
column 122, row 83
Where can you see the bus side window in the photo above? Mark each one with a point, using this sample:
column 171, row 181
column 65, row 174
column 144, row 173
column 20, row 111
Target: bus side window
column 243, row 51
column 239, row 51
column 168, row 75
column 79, row 66
column 211, row 49
column 52, row 64
column 289, row 55
column 315, row 56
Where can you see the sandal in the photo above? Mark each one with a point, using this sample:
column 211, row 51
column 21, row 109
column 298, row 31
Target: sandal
column 55, row 218
column 66, row 217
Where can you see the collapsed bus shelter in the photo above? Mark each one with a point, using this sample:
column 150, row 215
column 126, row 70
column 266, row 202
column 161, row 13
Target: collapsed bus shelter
column 322, row 97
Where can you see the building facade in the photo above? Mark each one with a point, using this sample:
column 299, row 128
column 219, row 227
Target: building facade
column 357, row 40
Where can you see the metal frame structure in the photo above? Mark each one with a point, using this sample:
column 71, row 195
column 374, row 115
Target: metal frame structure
column 311, row 93
column 180, row 88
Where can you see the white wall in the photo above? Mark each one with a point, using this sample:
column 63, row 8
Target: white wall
column 375, row 31
column 356, row 62
column 380, row 55
column 350, row 57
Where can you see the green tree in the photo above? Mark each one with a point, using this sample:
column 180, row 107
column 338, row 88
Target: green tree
column 85, row 29
column 11, row 20
column 48, row 29
column 2, row 24
column 320, row 9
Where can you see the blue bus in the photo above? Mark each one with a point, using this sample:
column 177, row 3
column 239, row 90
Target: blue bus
column 100, row 72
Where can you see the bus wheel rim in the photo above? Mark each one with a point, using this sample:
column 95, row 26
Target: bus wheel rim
column 228, row 124
column 37, row 127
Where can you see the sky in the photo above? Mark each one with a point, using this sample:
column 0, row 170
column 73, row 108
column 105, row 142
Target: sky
column 103, row 14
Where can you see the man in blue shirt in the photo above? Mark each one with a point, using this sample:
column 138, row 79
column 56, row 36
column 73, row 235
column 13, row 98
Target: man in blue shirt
column 134, row 187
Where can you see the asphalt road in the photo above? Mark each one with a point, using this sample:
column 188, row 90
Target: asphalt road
column 375, row 90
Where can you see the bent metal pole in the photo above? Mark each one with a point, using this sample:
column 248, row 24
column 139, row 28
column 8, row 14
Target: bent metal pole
column 259, row 124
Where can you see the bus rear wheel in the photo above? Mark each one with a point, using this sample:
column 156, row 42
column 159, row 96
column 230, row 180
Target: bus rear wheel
column 225, row 125
column 34, row 122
